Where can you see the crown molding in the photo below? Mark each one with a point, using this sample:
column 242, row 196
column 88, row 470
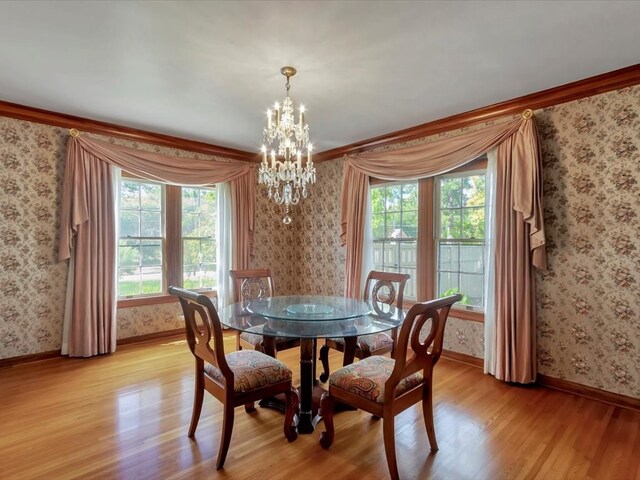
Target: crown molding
column 38, row 115
column 606, row 82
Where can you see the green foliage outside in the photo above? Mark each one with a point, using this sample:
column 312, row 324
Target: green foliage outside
column 452, row 291
column 462, row 207
column 127, row 288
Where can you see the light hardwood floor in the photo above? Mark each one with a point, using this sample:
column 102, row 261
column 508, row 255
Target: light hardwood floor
column 126, row 416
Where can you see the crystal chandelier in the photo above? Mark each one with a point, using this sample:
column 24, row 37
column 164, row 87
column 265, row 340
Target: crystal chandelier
column 285, row 144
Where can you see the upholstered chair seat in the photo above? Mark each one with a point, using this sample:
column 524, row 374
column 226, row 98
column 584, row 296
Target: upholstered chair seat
column 369, row 343
column 367, row 377
column 251, row 370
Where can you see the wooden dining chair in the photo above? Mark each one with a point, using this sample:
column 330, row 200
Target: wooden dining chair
column 251, row 285
column 237, row 378
column 384, row 386
column 380, row 288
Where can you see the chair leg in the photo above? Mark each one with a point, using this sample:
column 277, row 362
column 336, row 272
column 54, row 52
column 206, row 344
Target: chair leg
column 427, row 413
column 293, row 404
column 350, row 346
column 388, row 429
column 249, row 407
column 227, row 428
column 198, row 397
column 326, row 412
column 324, row 358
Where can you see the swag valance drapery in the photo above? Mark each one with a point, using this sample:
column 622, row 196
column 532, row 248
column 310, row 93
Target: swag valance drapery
column 519, row 236
column 87, row 226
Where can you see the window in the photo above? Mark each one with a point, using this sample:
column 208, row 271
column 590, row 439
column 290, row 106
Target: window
column 394, row 221
column 167, row 237
column 141, row 241
column 198, row 238
column 459, row 230
column 448, row 256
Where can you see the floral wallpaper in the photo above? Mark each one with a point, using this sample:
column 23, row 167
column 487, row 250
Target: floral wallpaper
column 322, row 258
column 275, row 245
column 588, row 306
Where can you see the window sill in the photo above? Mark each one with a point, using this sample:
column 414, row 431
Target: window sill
column 156, row 299
column 456, row 312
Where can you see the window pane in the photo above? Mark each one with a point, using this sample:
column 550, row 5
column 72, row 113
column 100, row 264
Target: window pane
column 129, row 282
column 129, row 223
column 189, row 224
column 151, row 224
column 151, row 278
column 471, row 287
column 408, row 254
column 410, row 289
column 409, row 225
column 377, row 200
column 390, row 258
column 473, row 222
column 450, row 192
column 190, row 254
column 448, row 257
column 189, row 199
column 377, row 225
column 394, row 198
column 472, row 258
column 447, row 284
column 410, row 196
column 473, row 188
column 207, row 251
column 393, row 227
column 198, row 232
column 129, row 195
column 450, row 223
column 150, row 196
column 151, row 252
column 129, row 255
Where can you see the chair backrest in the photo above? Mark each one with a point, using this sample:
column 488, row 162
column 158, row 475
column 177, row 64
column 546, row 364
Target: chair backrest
column 414, row 354
column 202, row 325
column 386, row 287
column 251, row 284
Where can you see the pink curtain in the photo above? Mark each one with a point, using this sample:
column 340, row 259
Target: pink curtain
column 243, row 214
column 519, row 139
column 87, row 225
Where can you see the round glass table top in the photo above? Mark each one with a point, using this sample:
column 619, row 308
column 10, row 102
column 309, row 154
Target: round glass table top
column 310, row 316
column 309, row 307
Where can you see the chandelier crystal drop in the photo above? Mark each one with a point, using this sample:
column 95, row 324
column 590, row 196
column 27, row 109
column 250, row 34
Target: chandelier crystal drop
column 286, row 146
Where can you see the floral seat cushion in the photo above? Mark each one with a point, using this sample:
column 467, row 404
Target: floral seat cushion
column 251, row 370
column 255, row 339
column 367, row 377
column 370, row 343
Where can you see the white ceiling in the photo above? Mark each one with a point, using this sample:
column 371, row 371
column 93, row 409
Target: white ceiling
column 209, row 70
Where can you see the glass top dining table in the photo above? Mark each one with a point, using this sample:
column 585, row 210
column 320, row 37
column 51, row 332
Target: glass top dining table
column 309, row 317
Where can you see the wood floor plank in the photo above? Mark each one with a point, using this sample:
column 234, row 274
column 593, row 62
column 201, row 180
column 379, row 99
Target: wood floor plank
column 125, row 416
